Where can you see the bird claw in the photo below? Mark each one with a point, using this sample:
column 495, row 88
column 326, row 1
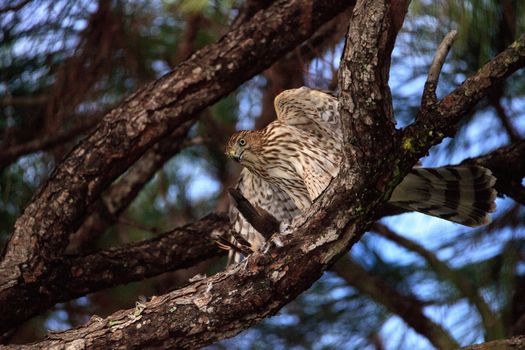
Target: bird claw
column 284, row 229
column 275, row 240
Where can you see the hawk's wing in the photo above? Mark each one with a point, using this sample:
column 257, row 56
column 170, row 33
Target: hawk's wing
column 310, row 110
column 315, row 113
column 263, row 195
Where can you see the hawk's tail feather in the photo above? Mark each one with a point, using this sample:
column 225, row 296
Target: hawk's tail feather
column 461, row 194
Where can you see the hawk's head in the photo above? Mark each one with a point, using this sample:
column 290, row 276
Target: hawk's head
column 244, row 147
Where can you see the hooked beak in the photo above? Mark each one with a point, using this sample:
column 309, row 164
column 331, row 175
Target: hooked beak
column 234, row 154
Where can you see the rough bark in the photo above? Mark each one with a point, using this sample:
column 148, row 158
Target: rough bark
column 516, row 343
column 153, row 257
column 228, row 302
column 224, row 304
column 41, row 233
column 75, row 276
column 117, row 198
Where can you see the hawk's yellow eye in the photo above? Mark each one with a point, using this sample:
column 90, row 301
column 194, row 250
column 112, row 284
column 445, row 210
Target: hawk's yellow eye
column 242, row 142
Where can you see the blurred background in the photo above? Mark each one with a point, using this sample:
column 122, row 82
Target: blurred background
column 63, row 64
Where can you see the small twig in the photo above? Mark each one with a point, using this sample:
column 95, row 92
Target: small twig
column 429, row 92
column 47, row 141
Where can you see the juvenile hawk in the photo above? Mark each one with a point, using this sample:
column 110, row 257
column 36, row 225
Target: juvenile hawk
column 289, row 163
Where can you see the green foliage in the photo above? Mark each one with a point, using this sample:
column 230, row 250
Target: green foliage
column 146, row 42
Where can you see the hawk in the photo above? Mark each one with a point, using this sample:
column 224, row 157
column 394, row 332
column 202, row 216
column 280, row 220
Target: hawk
column 290, row 162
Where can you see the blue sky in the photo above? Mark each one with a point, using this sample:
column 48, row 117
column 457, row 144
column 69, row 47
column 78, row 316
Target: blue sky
column 480, row 137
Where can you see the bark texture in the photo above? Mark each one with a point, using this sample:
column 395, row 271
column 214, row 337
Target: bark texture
column 41, row 233
column 376, row 158
column 117, row 198
column 75, row 276
column 516, row 343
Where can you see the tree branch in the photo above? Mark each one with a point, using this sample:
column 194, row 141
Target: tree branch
column 222, row 305
column 41, row 233
column 516, row 343
column 118, row 197
column 429, row 91
column 152, row 257
column 180, row 248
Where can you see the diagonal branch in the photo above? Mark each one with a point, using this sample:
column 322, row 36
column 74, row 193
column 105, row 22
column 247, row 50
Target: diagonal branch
column 118, row 197
column 180, row 248
column 41, row 233
column 153, row 257
column 222, row 305
column 429, row 91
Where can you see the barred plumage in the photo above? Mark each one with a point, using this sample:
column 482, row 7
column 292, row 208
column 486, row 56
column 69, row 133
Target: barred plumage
column 461, row 194
column 289, row 164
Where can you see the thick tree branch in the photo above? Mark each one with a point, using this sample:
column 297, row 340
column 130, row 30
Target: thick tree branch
column 203, row 238
column 118, row 197
column 181, row 248
column 152, row 257
column 269, row 279
column 197, row 236
column 407, row 307
column 224, row 304
column 75, row 276
column 41, row 233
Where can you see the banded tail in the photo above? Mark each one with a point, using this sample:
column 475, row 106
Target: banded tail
column 461, row 194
